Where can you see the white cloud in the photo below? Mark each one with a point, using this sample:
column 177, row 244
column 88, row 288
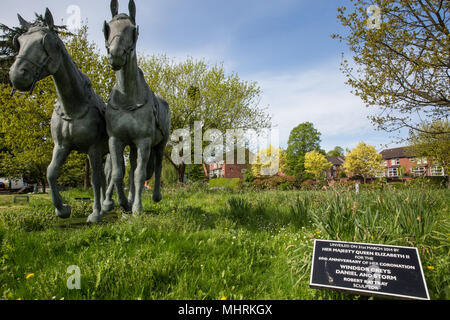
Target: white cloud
column 318, row 95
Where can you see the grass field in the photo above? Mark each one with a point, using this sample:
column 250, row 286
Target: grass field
column 202, row 244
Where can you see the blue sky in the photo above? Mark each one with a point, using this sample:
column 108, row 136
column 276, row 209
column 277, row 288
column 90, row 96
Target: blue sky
column 284, row 45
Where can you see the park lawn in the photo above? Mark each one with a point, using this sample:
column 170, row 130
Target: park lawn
column 202, row 244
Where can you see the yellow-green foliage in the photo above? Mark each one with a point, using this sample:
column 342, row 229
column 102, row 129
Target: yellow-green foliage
column 272, row 159
column 363, row 160
column 316, row 163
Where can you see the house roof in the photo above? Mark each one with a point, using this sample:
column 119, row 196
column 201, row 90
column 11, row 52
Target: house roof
column 395, row 153
column 337, row 161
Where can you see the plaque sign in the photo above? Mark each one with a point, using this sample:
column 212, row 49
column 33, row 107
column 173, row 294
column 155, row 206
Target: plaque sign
column 369, row 269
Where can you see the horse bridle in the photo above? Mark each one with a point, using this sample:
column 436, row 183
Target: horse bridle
column 37, row 74
column 127, row 50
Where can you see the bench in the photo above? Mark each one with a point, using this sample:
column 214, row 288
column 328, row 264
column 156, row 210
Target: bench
column 21, row 199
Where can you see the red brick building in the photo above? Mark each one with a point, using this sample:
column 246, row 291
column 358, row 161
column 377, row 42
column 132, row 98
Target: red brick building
column 398, row 161
column 228, row 171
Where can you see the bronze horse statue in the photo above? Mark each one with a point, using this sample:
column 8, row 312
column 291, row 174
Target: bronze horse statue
column 78, row 120
column 134, row 115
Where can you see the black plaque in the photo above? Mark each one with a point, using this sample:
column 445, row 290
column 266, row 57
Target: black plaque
column 370, row 269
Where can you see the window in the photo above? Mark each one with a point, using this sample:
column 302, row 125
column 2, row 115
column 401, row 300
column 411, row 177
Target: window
column 385, row 163
column 412, row 159
column 422, row 161
column 393, row 172
column 380, row 174
column 437, row 171
column 393, row 162
column 419, row 171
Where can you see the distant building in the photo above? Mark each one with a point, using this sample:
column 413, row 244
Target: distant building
column 336, row 169
column 229, row 171
column 397, row 159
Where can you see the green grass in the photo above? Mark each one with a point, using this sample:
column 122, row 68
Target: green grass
column 206, row 244
column 224, row 183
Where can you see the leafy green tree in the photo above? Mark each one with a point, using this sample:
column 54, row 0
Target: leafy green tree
column 316, row 164
column 336, row 152
column 303, row 139
column 25, row 122
column 200, row 92
column 270, row 160
column 363, row 160
column 402, row 66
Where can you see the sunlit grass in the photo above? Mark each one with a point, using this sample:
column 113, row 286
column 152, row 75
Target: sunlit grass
column 203, row 244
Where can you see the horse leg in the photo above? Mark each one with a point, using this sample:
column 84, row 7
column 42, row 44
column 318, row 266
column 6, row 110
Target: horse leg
column 116, row 147
column 108, row 203
column 95, row 159
column 143, row 155
column 133, row 164
column 158, row 152
column 60, row 154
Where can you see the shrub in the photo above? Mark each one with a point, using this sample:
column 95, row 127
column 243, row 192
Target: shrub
column 275, row 183
column 308, row 184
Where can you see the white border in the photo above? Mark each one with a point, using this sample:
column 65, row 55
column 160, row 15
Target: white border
column 372, row 293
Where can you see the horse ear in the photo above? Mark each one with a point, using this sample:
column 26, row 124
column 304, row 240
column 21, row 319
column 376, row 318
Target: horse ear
column 106, row 30
column 132, row 10
column 16, row 44
column 51, row 47
column 23, row 23
column 114, row 8
column 136, row 35
column 49, row 19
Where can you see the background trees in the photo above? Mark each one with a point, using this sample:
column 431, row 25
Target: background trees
column 336, row 152
column 402, row 66
column 316, row 163
column 303, row 139
column 271, row 159
column 195, row 91
column 200, row 92
column 363, row 160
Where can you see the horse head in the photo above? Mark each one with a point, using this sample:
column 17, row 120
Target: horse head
column 38, row 53
column 121, row 35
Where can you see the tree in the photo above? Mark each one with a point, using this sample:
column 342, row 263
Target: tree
column 433, row 143
column 363, row 160
column 199, row 92
column 402, row 65
column 336, row 152
column 25, row 122
column 316, row 163
column 303, row 139
column 269, row 162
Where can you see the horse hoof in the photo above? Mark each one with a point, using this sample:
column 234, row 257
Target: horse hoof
column 125, row 207
column 94, row 218
column 157, row 197
column 107, row 206
column 64, row 213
